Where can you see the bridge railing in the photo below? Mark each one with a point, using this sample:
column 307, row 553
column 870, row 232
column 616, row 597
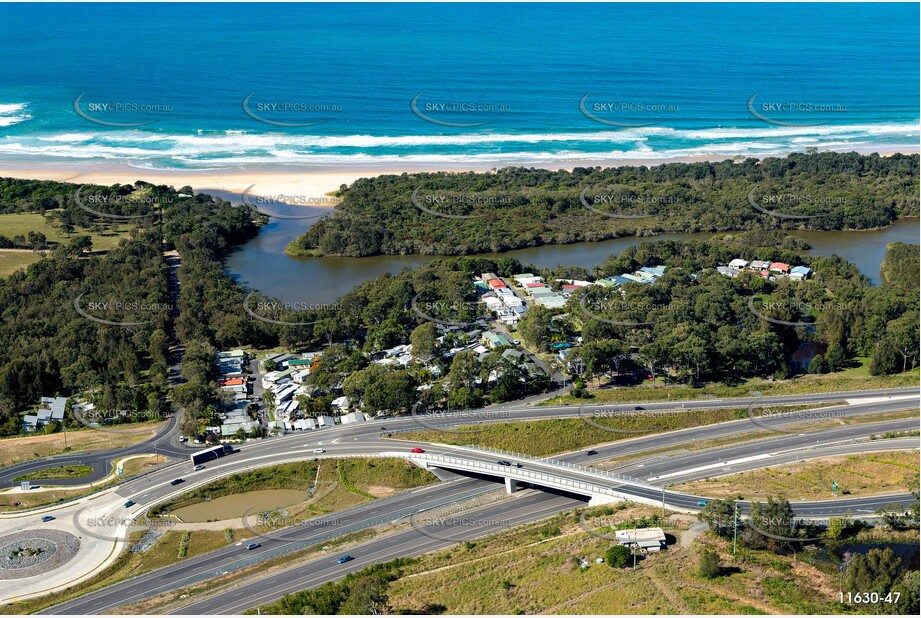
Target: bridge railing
column 543, row 478
column 563, row 464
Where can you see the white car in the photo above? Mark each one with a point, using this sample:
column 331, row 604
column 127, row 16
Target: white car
column 319, row 450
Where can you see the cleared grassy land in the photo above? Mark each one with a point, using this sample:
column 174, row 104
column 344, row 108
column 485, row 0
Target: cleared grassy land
column 15, row 450
column 15, row 501
column 59, row 472
column 560, row 435
column 509, row 574
column 854, row 379
column 11, row 261
column 15, row 224
column 763, row 434
column 857, row 475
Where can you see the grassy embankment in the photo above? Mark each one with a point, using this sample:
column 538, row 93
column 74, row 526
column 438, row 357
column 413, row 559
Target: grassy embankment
column 57, row 472
column 335, row 484
column 27, row 448
column 853, row 379
column 857, row 475
column 548, row 437
column 507, row 573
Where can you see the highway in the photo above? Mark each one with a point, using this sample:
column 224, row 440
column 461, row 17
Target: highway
column 100, row 461
column 356, row 440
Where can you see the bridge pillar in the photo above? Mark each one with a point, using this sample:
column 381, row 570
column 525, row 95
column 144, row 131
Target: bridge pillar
column 597, row 499
column 511, row 485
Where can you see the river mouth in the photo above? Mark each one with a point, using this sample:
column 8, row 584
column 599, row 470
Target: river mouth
column 262, row 264
column 237, row 505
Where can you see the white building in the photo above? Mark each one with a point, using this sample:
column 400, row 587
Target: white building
column 325, row 421
column 352, row 417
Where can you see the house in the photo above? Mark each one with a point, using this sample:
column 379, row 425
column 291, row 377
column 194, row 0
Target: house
column 495, row 340
column 495, row 284
column 648, row 539
column 299, row 377
column 352, row 417
column 493, row 303
column 607, row 283
column 232, row 382
column 487, row 277
column 632, row 277
column 729, row 272
column 305, row 424
column 738, row 264
column 525, row 278
column 800, row 272
column 341, row 403
column 56, row 405
column 779, row 267
column 237, row 354
column 654, row 271
column 512, row 301
column 552, row 301
column 285, row 393
column 620, row 279
column 759, row 265
column 325, row 421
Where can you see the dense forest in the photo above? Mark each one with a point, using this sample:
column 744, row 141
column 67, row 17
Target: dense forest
column 514, row 208
column 697, row 325
column 102, row 324
column 694, row 325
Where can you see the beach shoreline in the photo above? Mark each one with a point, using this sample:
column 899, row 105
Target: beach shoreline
column 296, row 185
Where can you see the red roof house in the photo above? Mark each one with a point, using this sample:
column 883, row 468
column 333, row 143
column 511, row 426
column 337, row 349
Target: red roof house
column 780, row 267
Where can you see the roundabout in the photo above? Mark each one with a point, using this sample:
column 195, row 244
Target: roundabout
column 32, row 552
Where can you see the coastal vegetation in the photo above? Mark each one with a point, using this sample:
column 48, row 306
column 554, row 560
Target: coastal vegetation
column 101, row 326
column 515, row 208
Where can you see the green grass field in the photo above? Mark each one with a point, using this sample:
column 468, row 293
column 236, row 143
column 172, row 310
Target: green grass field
column 59, row 472
column 15, row 224
column 11, row 261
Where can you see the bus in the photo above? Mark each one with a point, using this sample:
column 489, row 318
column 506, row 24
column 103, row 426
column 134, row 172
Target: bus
column 211, row 454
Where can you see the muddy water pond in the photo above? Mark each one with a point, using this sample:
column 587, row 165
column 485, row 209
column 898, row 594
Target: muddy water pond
column 237, row 505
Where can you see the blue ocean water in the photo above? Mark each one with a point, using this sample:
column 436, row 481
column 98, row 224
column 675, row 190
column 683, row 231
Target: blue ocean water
column 482, row 84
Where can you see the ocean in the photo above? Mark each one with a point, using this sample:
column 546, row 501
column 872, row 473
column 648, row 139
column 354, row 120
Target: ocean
column 332, row 86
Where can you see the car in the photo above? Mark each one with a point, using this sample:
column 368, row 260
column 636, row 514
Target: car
column 502, row 462
column 199, row 467
column 383, row 429
column 177, row 481
column 591, row 452
column 639, row 408
column 254, row 546
column 183, row 439
column 518, row 465
column 417, row 450
column 516, row 342
column 345, row 558
column 47, row 518
column 319, row 450
column 130, row 503
column 701, row 503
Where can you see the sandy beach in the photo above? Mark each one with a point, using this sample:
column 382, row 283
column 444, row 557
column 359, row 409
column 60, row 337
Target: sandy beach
column 289, row 184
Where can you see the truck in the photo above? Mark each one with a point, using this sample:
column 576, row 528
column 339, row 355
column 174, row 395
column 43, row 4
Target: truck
column 211, row 454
